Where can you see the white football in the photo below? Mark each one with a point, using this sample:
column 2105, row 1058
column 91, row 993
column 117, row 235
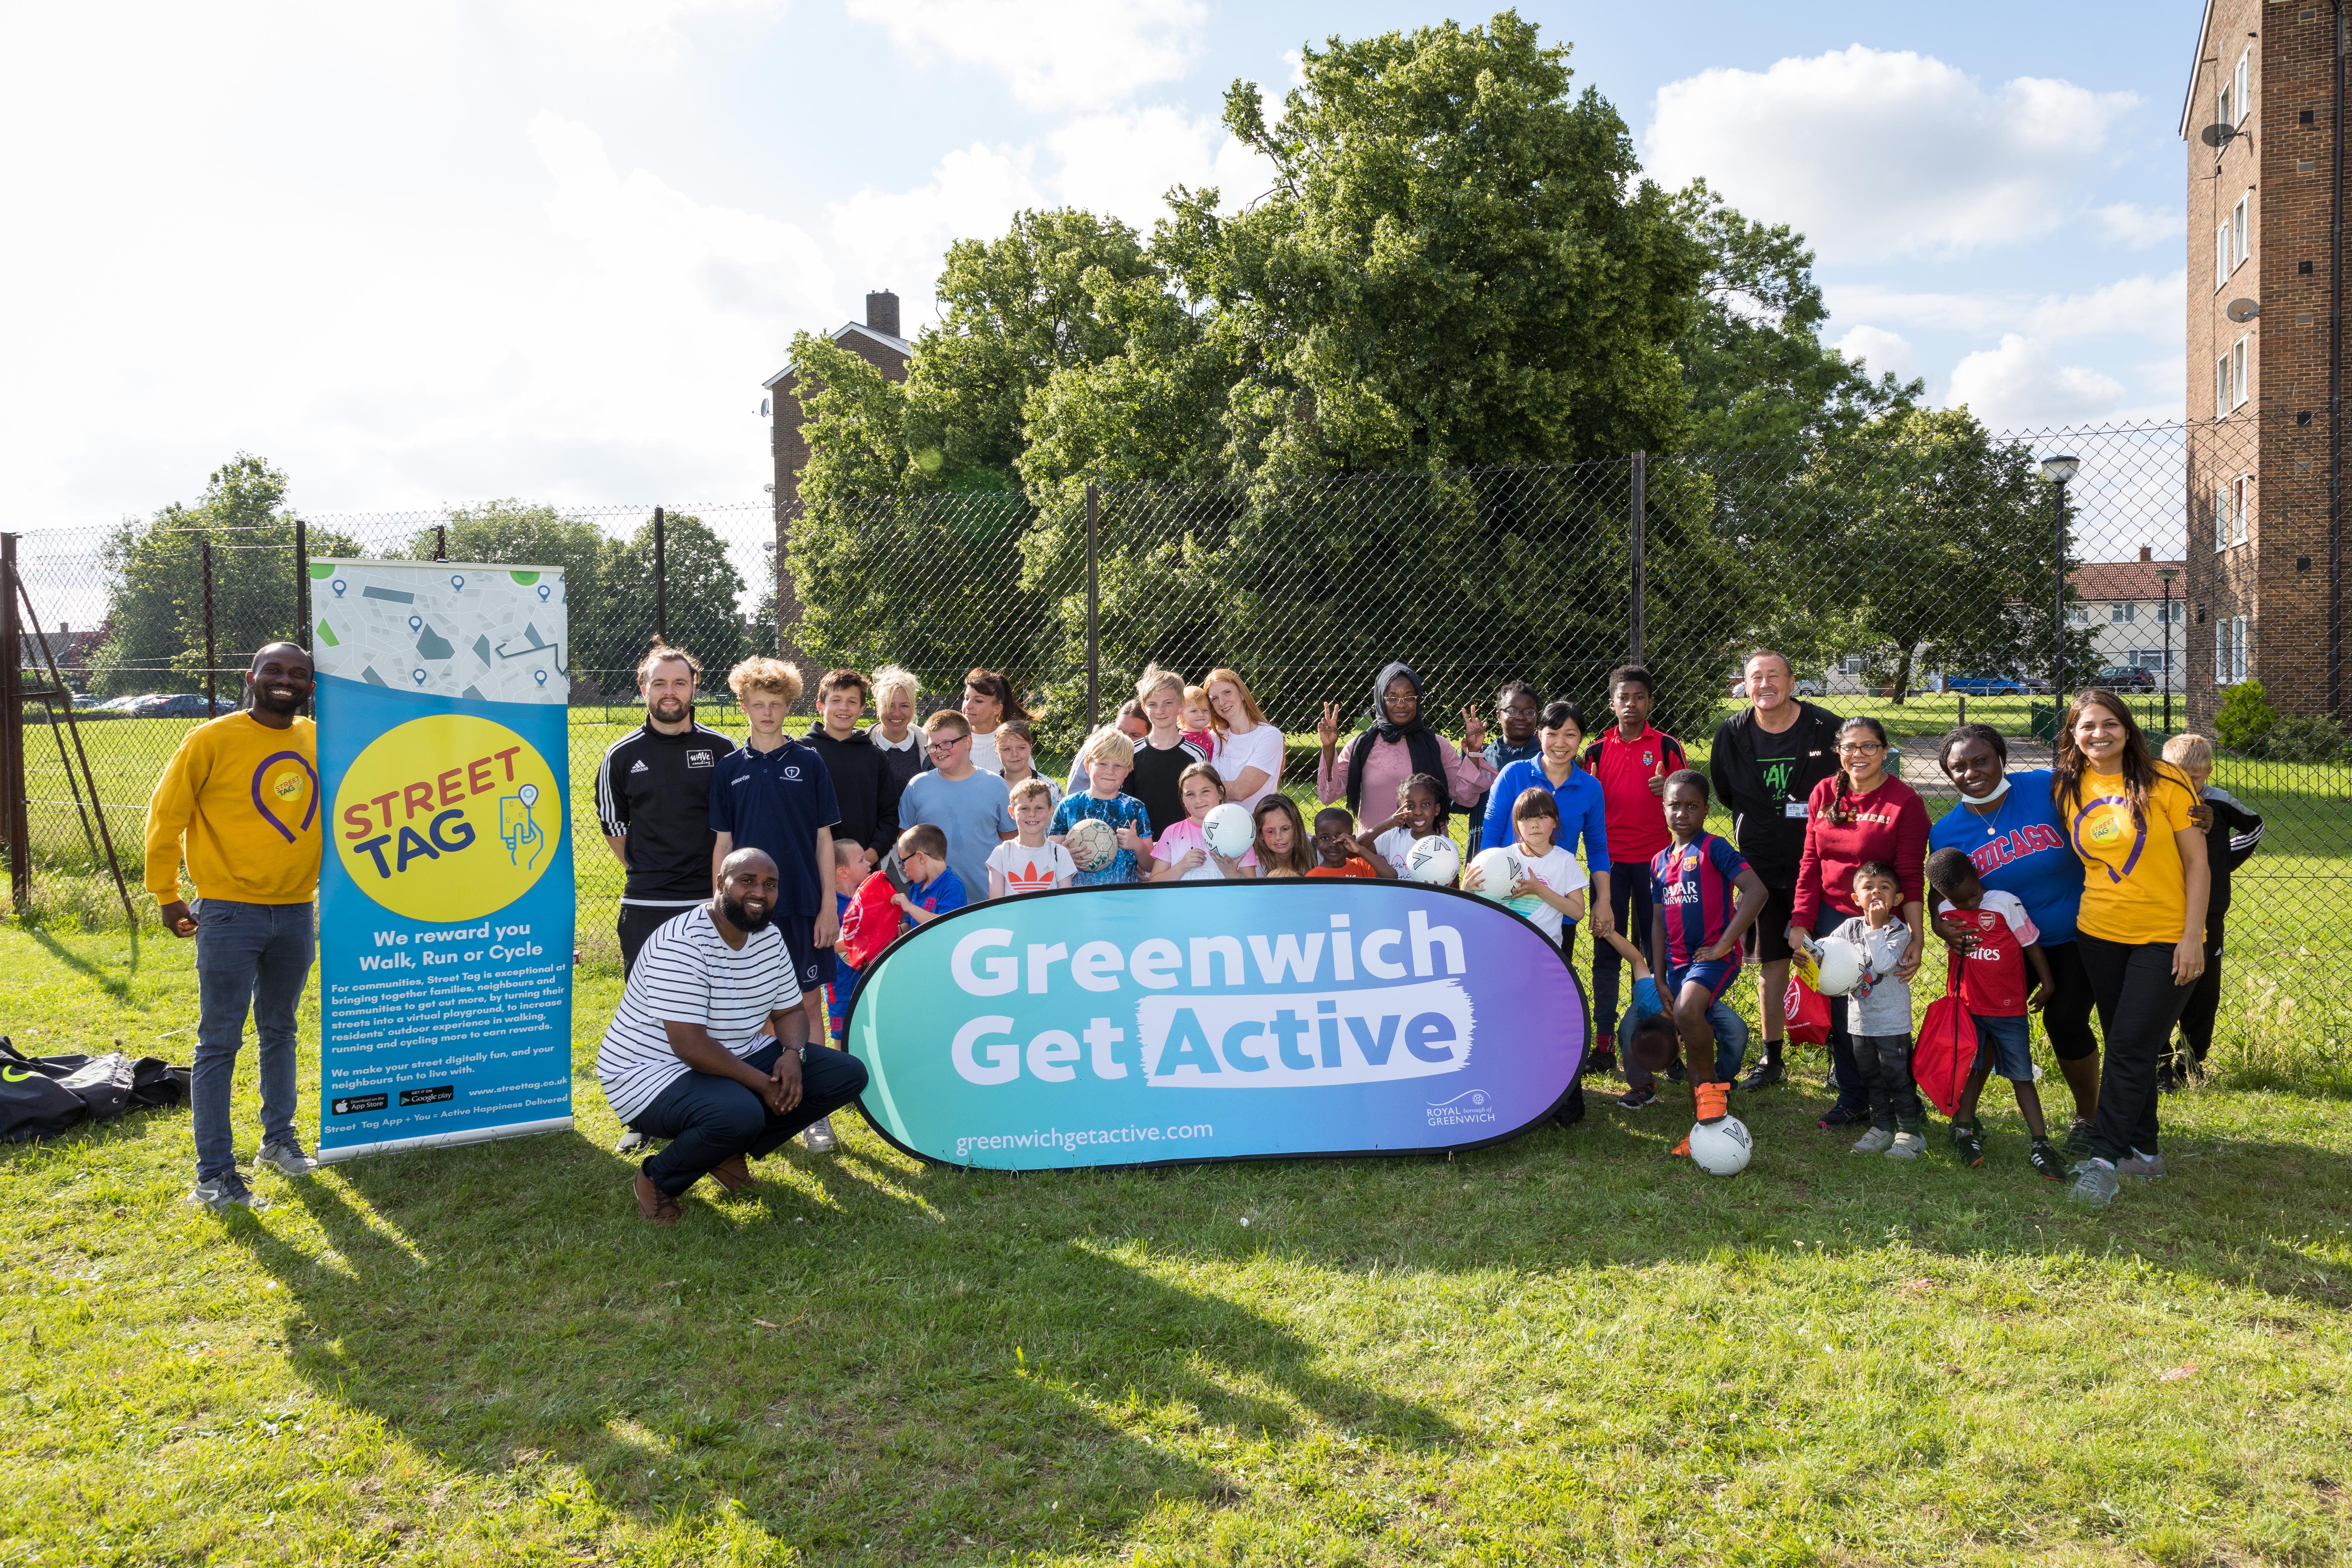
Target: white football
column 1837, row 966
column 1433, row 859
column 1092, row 844
column 1229, row 830
column 1499, row 870
column 1721, row 1148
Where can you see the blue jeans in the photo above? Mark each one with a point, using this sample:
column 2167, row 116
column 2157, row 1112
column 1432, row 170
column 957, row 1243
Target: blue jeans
column 256, row 958
column 707, row 1119
column 1629, row 905
column 1730, row 1046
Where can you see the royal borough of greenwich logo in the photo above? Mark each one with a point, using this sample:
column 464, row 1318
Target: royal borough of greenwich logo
column 447, row 818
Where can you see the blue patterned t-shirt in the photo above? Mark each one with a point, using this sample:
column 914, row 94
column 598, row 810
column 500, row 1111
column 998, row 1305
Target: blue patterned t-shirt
column 1119, row 811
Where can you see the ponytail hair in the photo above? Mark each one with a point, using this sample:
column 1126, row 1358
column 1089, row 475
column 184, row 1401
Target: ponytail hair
column 1842, row 808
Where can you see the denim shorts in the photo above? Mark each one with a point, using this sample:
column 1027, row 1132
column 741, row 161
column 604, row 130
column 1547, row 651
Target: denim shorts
column 2009, row 1044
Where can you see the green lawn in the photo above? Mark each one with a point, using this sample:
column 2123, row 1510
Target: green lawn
column 1567, row 1348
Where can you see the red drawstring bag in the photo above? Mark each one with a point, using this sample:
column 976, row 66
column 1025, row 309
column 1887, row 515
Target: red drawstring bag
column 1808, row 1012
column 1946, row 1051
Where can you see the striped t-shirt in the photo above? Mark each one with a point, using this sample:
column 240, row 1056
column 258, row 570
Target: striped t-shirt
column 688, row 974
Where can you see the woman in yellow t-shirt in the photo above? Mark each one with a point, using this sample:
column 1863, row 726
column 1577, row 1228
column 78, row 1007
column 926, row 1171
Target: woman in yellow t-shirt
column 2141, row 933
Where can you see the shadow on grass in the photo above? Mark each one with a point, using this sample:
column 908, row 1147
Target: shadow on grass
column 856, row 1353
column 117, row 985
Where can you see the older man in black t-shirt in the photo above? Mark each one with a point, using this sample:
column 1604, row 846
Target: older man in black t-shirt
column 1763, row 765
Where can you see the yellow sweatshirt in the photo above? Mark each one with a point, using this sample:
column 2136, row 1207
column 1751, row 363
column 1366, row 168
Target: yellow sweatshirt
column 246, row 796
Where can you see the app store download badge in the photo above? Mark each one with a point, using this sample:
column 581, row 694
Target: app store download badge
column 448, row 817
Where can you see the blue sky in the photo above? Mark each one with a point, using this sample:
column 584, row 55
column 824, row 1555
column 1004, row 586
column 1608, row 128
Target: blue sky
column 552, row 247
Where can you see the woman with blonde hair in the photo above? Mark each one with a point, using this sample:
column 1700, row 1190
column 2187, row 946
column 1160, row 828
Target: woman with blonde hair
column 897, row 696
column 1248, row 752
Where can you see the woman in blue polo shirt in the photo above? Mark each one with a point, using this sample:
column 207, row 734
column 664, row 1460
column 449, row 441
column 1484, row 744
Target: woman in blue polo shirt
column 1560, row 734
column 2008, row 826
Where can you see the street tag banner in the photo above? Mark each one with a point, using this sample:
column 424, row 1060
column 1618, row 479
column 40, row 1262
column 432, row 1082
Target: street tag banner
column 1140, row 1026
column 445, row 892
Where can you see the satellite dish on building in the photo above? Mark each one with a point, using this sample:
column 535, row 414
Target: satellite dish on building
column 763, row 408
column 2243, row 310
column 2218, row 135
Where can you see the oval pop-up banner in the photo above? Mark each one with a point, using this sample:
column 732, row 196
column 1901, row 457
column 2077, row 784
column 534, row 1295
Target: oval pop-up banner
column 1133, row 1025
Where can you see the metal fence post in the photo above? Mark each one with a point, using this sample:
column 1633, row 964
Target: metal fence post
column 12, row 733
column 2058, row 617
column 301, row 585
column 212, row 683
column 1094, row 608
column 440, row 542
column 661, row 576
column 1638, row 466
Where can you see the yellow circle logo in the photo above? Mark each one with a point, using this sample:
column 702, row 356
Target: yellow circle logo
column 447, row 818
column 288, row 787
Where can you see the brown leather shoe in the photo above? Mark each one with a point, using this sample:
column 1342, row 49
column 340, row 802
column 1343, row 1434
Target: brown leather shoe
column 654, row 1206
column 732, row 1173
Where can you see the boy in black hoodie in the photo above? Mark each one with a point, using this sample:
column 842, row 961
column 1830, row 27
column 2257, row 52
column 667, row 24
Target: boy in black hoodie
column 1764, row 764
column 864, row 784
column 2232, row 833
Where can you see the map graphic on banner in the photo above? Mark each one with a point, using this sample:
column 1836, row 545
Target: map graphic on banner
column 446, row 900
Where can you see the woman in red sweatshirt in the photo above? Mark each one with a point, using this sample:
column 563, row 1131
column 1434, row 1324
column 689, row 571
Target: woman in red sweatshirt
column 1859, row 815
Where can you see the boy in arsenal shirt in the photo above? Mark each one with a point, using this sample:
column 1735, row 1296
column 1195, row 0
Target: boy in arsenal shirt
column 1997, row 940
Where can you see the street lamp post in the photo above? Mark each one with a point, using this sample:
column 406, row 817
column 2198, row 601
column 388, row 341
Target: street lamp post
column 2165, row 574
column 2060, row 471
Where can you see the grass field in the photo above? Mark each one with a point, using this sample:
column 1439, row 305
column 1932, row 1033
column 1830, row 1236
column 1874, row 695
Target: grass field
column 1566, row 1348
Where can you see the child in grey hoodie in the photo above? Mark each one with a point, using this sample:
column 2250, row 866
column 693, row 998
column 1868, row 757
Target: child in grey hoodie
column 1881, row 1003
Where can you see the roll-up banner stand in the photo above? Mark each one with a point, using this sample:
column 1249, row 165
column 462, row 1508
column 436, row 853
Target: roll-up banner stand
column 445, row 896
column 1134, row 1026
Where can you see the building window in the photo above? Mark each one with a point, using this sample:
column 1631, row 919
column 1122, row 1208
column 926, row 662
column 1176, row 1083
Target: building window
column 2168, row 611
column 2238, row 375
column 2243, row 85
column 2148, row 659
column 2241, row 492
column 2078, row 615
column 2220, row 518
column 2224, row 101
column 2123, row 614
column 2229, row 650
column 2221, row 386
column 2242, row 237
column 1850, row 665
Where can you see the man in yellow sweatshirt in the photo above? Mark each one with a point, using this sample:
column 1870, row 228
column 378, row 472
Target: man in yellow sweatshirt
column 243, row 791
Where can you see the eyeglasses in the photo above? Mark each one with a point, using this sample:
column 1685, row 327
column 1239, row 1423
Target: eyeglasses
column 1859, row 748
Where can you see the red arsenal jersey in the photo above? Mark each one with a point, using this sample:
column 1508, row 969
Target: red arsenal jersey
column 1992, row 973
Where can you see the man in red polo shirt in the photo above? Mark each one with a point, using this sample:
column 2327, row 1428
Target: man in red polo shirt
column 1631, row 760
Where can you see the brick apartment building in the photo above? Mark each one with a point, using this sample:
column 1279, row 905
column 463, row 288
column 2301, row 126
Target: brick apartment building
column 2263, row 567
column 875, row 340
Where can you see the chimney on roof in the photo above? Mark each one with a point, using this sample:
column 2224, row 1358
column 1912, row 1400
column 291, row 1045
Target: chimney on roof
column 2147, row 552
column 882, row 313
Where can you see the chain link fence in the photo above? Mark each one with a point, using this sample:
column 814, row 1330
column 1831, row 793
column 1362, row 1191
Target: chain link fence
column 1923, row 574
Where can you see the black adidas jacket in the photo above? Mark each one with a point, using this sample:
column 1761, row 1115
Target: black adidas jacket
column 654, row 790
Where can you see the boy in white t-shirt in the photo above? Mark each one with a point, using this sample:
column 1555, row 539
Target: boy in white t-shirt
column 1029, row 862
column 1182, row 853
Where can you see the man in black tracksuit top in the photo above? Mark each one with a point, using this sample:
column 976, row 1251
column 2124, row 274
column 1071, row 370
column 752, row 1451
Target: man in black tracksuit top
column 1763, row 766
column 653, row 799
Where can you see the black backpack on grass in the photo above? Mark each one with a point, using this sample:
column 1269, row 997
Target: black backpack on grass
column 43, row 1097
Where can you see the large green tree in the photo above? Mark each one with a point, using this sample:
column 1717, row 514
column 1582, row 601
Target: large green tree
column 703, row 595
column 155, row 588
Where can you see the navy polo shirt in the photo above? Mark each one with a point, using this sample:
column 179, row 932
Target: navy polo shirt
column 776, row 801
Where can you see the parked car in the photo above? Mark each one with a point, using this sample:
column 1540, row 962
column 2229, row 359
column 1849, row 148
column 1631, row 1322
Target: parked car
column 1984, row 685
column 1809, row 689
column 170, row 705
column 2127, row 678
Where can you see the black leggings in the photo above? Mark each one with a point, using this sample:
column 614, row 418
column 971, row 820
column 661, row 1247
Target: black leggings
column 2139, row 1004
column 2205, row 996
column 2067, row 1019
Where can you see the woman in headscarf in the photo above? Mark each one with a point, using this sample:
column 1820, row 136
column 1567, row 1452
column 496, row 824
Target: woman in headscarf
column 1395, row 746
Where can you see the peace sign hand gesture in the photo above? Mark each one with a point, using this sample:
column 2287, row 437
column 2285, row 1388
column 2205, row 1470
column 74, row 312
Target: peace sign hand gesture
column 1328, row 730
column 1474, row 731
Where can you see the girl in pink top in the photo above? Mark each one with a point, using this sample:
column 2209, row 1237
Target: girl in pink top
column 1396, row 746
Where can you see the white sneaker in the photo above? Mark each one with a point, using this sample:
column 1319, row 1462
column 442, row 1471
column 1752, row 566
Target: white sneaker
column 1877, row 1140
column 819, row 1136
column 286, row 1159
column 1907, row 1146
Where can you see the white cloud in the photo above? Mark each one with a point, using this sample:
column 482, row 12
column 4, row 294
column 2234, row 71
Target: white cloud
column 899, row 237
column 2151, row 307
column 1881, row 352
column 632, row 22
column 2129, row 223
column 2021, row 386
column 1124, row 163
column 1873, row 153
column 1053, row 54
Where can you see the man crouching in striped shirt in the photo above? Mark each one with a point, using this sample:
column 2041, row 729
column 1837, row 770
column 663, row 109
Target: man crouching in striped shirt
column 687, row 1058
